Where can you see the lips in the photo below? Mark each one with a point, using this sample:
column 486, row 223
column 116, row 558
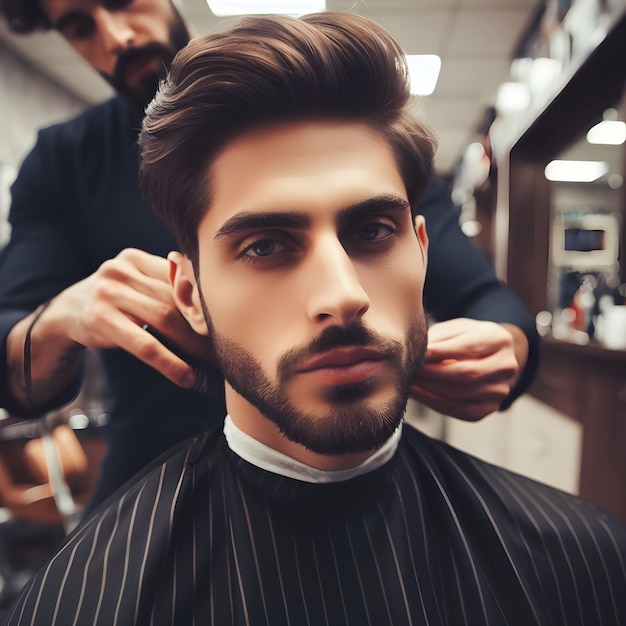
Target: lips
column 342, row 357
column 344, row 366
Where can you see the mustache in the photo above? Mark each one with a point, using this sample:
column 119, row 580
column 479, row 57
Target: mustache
column 150, row 50
column 355, row 334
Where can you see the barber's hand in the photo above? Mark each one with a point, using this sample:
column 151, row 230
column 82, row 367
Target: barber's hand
column 109, row 309
column 470, row 367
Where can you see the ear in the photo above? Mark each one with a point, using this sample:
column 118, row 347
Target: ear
column 419, row 224
column 185, row 291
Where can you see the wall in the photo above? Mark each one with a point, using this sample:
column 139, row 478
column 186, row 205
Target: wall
column 28, row 101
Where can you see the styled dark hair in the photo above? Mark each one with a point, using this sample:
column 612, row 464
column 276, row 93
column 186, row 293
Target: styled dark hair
column 266, row 70
column 24, row 16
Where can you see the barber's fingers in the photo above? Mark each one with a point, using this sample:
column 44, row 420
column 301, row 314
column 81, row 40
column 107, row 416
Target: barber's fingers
column 501, row 365
column 464, row 338
column 137, row 283
column 147, row 348
column 467, row 388
column 140, row 270
column 494, row 391
column 114, row 306
column 471, row 407
column 150, row 275
column 101, row 312
column 118, row 330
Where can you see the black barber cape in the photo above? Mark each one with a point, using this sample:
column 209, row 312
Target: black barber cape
column 434, row 536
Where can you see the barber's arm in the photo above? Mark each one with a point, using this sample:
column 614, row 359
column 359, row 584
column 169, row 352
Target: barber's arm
column 39, row 261
column 45, row 261
column 483, row 348
column 105, row 310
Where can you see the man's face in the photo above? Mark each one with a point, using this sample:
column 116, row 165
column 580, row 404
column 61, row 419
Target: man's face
column 310, row 276
column 129, row 42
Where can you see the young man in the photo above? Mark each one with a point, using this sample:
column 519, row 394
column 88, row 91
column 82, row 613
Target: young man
column 282, row 155
column 85, row 242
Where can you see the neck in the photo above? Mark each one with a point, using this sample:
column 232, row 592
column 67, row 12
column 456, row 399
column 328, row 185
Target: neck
column 252, row 422
column 271, row 460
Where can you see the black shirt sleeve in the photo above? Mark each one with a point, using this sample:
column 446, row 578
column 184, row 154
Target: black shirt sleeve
column 42, row 257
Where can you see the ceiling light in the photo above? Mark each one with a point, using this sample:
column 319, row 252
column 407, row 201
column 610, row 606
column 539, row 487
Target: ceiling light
column 423, row 73
column 576, row 171
column 607, row 132
column 264, row 7
column 512, row 98
column 615, row 181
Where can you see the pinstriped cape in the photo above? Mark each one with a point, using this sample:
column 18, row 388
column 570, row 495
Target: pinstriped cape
column 433, row 537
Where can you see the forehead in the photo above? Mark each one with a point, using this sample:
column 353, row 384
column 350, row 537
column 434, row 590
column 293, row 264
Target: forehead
column 306, row 166
column 55, row 8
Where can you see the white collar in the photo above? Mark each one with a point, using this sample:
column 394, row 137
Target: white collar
column 274, row 461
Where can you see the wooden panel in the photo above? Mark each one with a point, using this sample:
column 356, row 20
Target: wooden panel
column 589, row 384
column 529, row 229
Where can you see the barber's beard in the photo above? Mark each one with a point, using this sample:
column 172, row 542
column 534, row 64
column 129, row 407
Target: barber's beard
column 142, row 92
column 353, row 424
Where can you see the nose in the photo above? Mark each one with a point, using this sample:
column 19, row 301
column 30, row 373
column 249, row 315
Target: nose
column 336, row 295
column 114, row 29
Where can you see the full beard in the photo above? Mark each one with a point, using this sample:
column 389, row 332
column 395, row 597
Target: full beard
column 141, row 93
column 353, row 424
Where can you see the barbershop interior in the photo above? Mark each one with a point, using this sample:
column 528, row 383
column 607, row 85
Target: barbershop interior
column 527, row 102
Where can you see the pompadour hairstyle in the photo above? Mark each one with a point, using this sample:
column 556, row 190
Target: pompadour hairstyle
column 24, row 16
column 268, row 70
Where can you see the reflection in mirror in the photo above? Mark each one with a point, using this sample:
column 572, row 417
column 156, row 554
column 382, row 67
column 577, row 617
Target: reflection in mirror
column 586, row 192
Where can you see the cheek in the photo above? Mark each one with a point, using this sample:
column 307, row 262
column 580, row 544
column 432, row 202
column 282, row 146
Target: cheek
column 155, row 28
column 396, row 289
column 95, row 55
column 255, row 312
column 157, row 23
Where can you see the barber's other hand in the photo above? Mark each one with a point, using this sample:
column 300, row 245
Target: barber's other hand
column 470, row 367
column 109, row 309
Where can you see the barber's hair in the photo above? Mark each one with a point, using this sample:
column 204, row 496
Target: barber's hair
column 264, row 71
column 24, row 16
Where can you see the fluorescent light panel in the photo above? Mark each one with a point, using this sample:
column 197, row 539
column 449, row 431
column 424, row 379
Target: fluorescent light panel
column 264, row 7
column 607, row 132
column 575, row 171
column 423, row 73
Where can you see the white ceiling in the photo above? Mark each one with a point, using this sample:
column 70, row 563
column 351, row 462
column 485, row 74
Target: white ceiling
column 474, row 38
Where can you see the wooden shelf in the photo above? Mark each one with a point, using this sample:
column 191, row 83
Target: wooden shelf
column 586, row 383
column 590, row 86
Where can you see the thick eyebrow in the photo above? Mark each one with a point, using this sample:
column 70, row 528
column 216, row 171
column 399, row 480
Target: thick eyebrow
column 376, row 204
column 246, row 221
column 267, row 219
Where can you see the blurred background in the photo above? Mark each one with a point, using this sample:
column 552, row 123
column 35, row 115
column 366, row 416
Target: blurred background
column 526, row 98
column 474, row 40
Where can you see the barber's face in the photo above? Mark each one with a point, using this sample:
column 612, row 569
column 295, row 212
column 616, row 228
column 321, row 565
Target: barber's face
column 310, row 283
column 130, row 42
